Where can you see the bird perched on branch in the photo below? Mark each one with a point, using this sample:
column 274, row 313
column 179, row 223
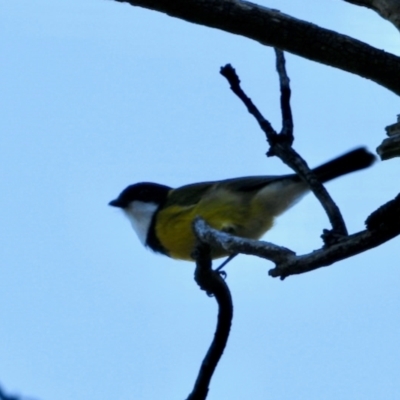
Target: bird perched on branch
column 162, row 216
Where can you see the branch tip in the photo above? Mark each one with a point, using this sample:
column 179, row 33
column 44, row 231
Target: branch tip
column 230, row 74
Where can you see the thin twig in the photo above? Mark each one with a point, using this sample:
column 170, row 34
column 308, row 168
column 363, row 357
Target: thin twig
column 281, row 144
column 230, row 74
column 382, row 226
column 284, row 149
column 287, row 118
column 291, row 158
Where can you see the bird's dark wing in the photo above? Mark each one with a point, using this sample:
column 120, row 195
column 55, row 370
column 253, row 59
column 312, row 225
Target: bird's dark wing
column 191, row 194
column 252, row 183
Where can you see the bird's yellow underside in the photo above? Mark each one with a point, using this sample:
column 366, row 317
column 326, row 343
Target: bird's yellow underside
column 225, row 211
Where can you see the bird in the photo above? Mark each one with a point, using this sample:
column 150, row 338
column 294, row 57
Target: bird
column 246, row 207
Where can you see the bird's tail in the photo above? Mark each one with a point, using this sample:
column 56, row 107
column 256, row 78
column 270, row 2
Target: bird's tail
column 352, row 161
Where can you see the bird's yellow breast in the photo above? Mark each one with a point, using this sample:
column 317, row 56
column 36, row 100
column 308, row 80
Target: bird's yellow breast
column 240, row 215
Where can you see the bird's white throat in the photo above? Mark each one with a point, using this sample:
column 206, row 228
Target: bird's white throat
column 140, row 215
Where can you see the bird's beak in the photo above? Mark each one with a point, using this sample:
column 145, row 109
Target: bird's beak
column 115, row 203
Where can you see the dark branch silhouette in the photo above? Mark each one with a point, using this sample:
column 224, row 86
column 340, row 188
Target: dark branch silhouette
column 273, row 28
column 284, row 82
column 281, row 144
column 214, row 285
column 382, row 225
column 286, row 261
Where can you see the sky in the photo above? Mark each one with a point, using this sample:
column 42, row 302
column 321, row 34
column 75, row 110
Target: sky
column 96, row 95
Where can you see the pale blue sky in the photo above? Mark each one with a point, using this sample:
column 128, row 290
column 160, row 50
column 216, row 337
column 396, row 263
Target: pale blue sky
column 96, row 95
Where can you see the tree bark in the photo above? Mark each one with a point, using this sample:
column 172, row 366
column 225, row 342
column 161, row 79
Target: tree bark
column 273, row 28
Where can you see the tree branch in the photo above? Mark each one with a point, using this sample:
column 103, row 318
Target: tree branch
column 387, row 9
column 214, row 285
column 286, row 109
column 273, row 28
column 235, row 244
column 281, row 144
column 382, row 226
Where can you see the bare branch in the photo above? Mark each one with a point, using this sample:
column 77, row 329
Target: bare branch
column 213, row 283
column 284, row 81
column 387, row 9
column 229, row 73
column 382, row 226
column 235, row 244
column 281, row 144
column 273, row 28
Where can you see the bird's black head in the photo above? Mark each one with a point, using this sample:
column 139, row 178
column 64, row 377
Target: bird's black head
column 146, row 192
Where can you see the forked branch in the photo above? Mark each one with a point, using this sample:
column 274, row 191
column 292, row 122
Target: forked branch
column 382, row 225
column 281, row 144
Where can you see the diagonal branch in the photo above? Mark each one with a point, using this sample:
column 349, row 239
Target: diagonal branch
column 273, row 28
column 281, row 144
column 382, row 226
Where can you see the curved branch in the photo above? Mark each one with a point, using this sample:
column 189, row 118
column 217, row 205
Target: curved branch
column 273, row 28
column 213, row 283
